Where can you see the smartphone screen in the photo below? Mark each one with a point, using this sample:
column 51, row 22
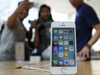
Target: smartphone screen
column 63, row 47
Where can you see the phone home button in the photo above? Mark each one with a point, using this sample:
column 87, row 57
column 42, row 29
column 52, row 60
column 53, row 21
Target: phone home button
column 63, row 70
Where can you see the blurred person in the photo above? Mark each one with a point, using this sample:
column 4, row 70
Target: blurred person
column 2, row 27
column 86, row 20
column 14, row 31
column 42, row 35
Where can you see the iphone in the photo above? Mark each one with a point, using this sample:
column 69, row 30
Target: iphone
column 63, row 48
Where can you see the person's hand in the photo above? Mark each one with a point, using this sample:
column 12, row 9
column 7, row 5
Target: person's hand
column 25, row 5
column 36, row 26
column 84, row 52
column 47, row 27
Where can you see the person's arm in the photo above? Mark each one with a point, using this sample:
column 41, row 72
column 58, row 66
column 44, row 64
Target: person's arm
column 95, row 37
column 36, row 39
column 12, row 20
column 23, row 6
column 29, row 34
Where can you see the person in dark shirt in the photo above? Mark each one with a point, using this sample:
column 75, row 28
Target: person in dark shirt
column 86, row 20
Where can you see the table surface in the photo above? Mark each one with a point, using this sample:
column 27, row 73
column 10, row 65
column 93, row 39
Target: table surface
column 84, row 68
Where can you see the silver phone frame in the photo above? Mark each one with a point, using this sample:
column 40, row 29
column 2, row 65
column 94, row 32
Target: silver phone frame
column 57, row 70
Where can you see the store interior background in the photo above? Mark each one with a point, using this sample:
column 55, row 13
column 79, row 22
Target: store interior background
column 61, row 11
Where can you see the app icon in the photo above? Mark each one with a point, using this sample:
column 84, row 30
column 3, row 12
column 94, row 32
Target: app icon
column 60, row 36
column 60, row 31
column 55, row 55
column 55, row 31
column 65, row 42
column 66, row 54
column 55, row 48
column 65, row 36
column 71, row 48
column 60, row 54
column 55, row 42
column 71, row 31
column 71, row 42
column 55, row 62
column 65, row 31
column 60, row 62
column 70, row 36
column 65, row 48
column 60, row 42
column 66, row 62
column 55, row 37
column 60, row 48
column 71, row 62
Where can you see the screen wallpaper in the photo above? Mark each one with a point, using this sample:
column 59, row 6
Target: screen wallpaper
column 63, row 47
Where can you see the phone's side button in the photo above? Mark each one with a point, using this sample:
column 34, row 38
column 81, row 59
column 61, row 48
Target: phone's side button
column 63, row 70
